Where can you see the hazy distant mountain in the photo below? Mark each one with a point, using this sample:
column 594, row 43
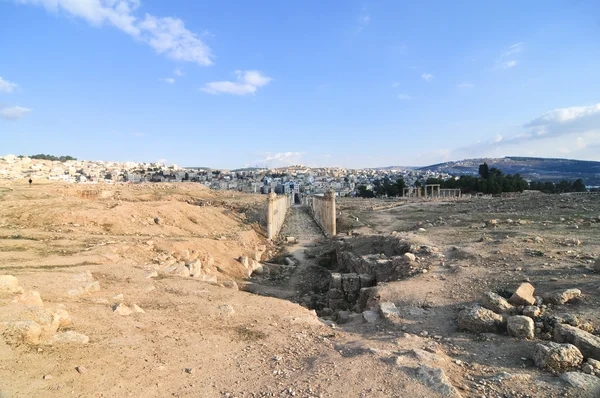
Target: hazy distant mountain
column 537, row 169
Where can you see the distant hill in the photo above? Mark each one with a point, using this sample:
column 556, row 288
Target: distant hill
column 536, row 169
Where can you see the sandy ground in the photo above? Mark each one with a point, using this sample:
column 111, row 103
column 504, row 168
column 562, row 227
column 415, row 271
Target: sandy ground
column 202, row 339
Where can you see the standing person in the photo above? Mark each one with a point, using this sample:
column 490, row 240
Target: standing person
column 30, row 181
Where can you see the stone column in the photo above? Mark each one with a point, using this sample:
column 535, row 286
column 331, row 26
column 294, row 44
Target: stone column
column 270, row 214
column 330, row 198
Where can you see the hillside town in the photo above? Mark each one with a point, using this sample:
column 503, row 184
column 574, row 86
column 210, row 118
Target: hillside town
column 288, row 179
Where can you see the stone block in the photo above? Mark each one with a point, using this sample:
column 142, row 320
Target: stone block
column 556, row 356
column 350, row 283
column 335, row 281
column 521, row 327
column 523, row 295
column 495, row 302
column 479, row 320
column 588, row 344
column 561, row 296
column 9, row 284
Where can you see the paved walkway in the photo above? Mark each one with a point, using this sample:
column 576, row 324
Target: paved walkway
column 300, row 224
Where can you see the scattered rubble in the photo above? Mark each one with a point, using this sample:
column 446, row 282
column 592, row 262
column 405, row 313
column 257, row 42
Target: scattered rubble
column 556, row 356
column 479, row 320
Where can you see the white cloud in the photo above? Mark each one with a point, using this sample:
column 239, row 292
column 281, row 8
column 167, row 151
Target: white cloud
column 178, row 72
column 136, row 134
column 13, row 112
column 395, row 84
column 576, row 129
column 166, row 35
column 169, row 80
column 508, row 64
column 279, row 159
column 514, row 49
column 404, row 96
column 465, row 85
column 507, row 58
column 247, row 83
column 363, row 20
column 427, row 77
column 6, row 86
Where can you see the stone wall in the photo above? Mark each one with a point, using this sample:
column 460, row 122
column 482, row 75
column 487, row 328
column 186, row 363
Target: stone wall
column 323, row 211
column 277, row 207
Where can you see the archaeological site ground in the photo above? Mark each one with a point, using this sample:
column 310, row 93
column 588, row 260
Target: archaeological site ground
column 160, row 290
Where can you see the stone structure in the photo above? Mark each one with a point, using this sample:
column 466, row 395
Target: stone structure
column 432, row 191
column 323, row 211
column 277, row 207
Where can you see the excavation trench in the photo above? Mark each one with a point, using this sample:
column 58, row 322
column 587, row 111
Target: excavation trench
column 333, row 274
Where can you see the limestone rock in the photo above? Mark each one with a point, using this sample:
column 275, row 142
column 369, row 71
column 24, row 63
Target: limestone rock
column 62, row 317
column 245, row 261
column 152, row 274
column 388, row 310
column 588, row 383
column 92, row 287
column 410, row 257
column 370, row 316
column 532, row 311
column 588, row 344
column 479, row 320
column 226, row 310
column 208, row 279
column 195, row 268
column 597, row 265
column 426, row 356
column 177, row 270
column 350, row 283
column 556, row 356
column 562, row 296
column 343, row 317
column 523, row 295
column 335, row 281
column 137, row 309
column 122, row 309
column 17, row 332
column 436, row 379
column 9, row 284
column 521, row 327
column 495, row 302
column 31, row 297
column 230, row 285
column 70, row 337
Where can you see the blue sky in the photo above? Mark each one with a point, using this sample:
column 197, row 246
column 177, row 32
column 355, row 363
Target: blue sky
column 338, row 82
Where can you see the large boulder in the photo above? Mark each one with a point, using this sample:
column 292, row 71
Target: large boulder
column 556, row 356
column 561, row 296
column 520, row 326
column 31, row 298
column 479, row 320
column 588, row 344
column 495, row 302
column 532, row 311
column 195, row 268
column 436, row 379
column 388, row 310
column 588, row 385
column 9, row 284
column 523, row 295
column 19, row 332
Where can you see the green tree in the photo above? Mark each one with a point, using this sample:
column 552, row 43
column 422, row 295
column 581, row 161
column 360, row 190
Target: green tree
column 484, row 171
